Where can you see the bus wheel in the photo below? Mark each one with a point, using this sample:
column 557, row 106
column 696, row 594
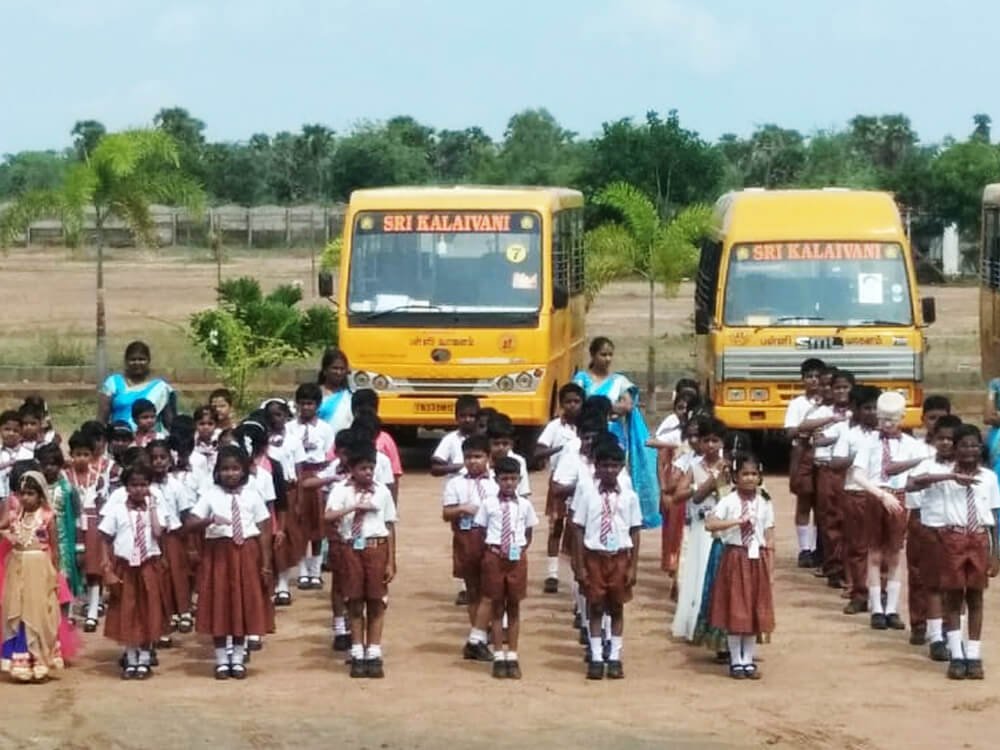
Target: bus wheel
column 527, row 438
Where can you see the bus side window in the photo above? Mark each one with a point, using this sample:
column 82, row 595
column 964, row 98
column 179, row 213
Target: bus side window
column 706, row 285
column 991, row 247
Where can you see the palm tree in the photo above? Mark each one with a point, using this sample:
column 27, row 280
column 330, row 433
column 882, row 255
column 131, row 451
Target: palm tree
column 120, row 178
column 643, row 245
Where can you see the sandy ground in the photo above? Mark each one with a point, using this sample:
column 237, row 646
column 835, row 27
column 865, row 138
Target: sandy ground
column 829, row 681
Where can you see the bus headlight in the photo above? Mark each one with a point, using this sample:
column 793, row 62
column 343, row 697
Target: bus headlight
column 759, row 394
column 525, row 381
column 380, row 383
column 505, row 383
column 362, row 380
column 736, row 394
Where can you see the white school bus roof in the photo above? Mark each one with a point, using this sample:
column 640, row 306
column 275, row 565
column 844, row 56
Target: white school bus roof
column 826, row 214
column 473, row 197
column 991, row 195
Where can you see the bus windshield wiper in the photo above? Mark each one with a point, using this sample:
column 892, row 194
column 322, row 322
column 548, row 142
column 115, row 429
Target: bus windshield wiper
column 786, row 318
column 400, row 308
column 876, row 322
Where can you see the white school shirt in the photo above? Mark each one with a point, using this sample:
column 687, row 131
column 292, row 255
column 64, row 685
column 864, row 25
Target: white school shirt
column 216, row 501
column 522, row 518
column 120, row 496
column 316, row 439
column 557, row 434
column 288, row 452
column 823, row 454
column 799, row 410
column 730, row 508
column 588, row 512
column 869, row 459
column 8, row 457
column 177, row 498
column 449, row 450
column 945, row 503
column 670, row 431
column 928, row 453
column 263, row 480
column 374, row 523
column 849, row 444
column 523, row 485
column 383, row 470
column 577, row 472
column 465, row 490
column 119, row 523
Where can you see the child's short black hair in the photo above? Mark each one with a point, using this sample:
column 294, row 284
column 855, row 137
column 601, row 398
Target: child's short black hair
column 122, row 430
column 343, row 439
column 201, row 412
column 846, row 375
column 812, row 365
column 366, row 398
column 597, row 405
column 466, row 403
column 309, row 392
column 865, row 394
column 591, row 424
column 485, row 412
column 744, row 457
column 361, row 453
column 476, row 444
column 506, row 465
column 142, row 406
column 95, row 430
column 82, row 441
column 573, row 389
column 609, row 452
column 711, row 426
column 947, row 422
column 50, row 452
column 137, row 469
column 235, row 452
column 500, row 426
column 181, row 442
column 10, row 416
column 20, row 468
column 158, row 443
column 602, row 441
column 134, row 455
column 937, row 402
column 224, row 393
column 367, row 422
column 31, row 411
column 968, row 430
column 252, row 436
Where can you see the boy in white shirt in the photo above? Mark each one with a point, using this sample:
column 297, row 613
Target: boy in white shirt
column 447, row 457
column 800, row 422
column 501, row 433
column 556, row 436
column 880, row 468
column 508, row 519
column 830, row 477
column 607, row 520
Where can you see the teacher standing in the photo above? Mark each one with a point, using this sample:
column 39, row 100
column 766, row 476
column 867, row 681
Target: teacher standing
column 122, row 389
column 627, row 424
column 335, row 408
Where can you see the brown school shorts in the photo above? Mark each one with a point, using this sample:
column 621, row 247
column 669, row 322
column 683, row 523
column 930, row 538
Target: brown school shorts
column 467, row 553
column 363, row 571
column 503, row 579
column 929, row 563
column 965, row 559
column 607, row 576
column 886, row 531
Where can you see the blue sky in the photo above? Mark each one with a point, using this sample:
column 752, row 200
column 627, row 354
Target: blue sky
column 246, row 66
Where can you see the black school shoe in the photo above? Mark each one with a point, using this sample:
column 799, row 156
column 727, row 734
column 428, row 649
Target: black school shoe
column 513, row 670
column 918, row 635
column 477, row 652
column 374, row 668
column 462, row 600
column 500, row 670
column 342, row 642
column 974, row 669
column 805, row 559
column 551, row 586
column 358, row 668
column 958, row 669
column 855, row 607
column 938, row 651
column 615, row 671
column 595, row 670
column 894, row 622
column 879, row 622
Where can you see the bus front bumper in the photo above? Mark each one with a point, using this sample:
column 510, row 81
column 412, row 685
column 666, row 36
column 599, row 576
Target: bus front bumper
column 766, row 417
column 526, row 409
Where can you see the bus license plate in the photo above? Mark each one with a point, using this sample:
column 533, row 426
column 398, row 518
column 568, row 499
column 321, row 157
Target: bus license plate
column 434, row 407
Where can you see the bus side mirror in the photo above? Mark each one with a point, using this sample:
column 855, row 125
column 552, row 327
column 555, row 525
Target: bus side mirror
column 325, row 284
column 702, row 324
column 929, row 310
column 560, row 297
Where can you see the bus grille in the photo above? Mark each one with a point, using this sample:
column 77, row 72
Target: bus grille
column 772, row 364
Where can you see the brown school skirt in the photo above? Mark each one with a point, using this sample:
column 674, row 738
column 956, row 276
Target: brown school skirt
column 503, row 579
column 92, row 546
column 467, row 552
column 135, row 609
column 176, row 587
column 801, row 476
column 964, row 559
column 886, row 531
column 290, row 554
column 742, row 602
column 673, row 537
column 311, row 507
column 231, row 594
column 607, row 576
column 363, row 571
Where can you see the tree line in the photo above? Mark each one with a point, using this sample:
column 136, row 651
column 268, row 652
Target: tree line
column 940, row 183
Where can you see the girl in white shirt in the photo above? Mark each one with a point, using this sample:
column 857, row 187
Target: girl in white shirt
column 742, row 600
column 236, row 567
column 132, row 532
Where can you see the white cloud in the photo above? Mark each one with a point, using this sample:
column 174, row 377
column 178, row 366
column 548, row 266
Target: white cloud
column 680, row 30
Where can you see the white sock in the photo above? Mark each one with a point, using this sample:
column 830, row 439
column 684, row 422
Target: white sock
column 503, row 620
column 499, row 656
column 606, row 626
column 812, row 536
column 875, row 600
column 748, row 642
column 304, row 567
column 735, row 650
column 935, row 628
column 459, row 584
column 374, row 651
column 239, row 653
column 963, row 623
column 357, row 651
column 512, row 656
column 281, row 587
column 802, row 534
column 892, row 589
column 552, row 567
column 596, row 649
column 616, row 648
column 581, row 605
column 221, row 655
column 477, row 636
column 93, row 601
column 973, row 649
column 340, row 626
column 255, row 639
column 316, row 566
column 132, row 657
column 144, row 657
column 955, row 644
column 229, row 644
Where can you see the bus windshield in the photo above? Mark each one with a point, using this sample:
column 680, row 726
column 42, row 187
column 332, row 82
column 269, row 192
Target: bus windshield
column 430, row 262
column 817, row 283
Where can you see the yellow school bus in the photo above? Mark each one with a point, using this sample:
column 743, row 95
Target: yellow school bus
column 989, row 284
column 462, row 290
column 795, row 274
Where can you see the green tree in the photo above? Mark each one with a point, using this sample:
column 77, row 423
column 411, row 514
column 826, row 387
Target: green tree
column 957, row 177
column 375, row 155
column 537, row 150
column 121, row 178
column 463, row 155
column 983, row 125
column 641, row 244
column 313, row 151
column 31, row 170
column 188, row 133
column 86, row 135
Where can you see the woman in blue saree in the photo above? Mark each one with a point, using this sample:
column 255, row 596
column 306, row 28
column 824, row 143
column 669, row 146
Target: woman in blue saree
column 335, row 408
column 122, row 389
column 628, row 425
